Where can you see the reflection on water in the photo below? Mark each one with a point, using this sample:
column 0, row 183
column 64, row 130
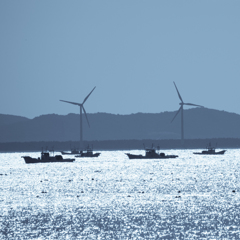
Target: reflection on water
column 112, row 197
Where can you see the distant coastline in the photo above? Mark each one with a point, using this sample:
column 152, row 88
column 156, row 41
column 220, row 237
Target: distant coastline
column 120, row 144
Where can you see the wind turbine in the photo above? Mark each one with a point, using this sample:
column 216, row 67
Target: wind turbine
column 81, row 109
column 181, row 110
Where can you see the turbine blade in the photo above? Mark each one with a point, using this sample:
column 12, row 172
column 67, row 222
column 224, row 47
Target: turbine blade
column 178, row 93
column 88, row 96
column 79, row 104
column 190, row 104
column 176, row 114
column 86, row 116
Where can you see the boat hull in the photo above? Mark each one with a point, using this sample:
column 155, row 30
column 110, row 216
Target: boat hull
column 210, row 153
column 28, row 160
column 70, row 153
column 84, row 155
column 133, row 156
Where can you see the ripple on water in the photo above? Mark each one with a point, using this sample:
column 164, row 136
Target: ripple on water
column 113, row 197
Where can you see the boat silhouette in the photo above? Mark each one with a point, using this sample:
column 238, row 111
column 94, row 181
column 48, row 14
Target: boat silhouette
column 210, row 151
column 150, row 153
column 46, row 158
column 87, row 153
column 73, row 152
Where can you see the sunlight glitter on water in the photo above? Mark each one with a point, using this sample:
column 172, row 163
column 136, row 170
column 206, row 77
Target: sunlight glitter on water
column 189, row 197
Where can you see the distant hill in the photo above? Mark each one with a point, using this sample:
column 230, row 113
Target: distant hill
column 199, row 123
column 6, row 119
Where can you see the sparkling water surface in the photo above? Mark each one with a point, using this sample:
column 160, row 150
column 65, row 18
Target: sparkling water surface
column 112, row 197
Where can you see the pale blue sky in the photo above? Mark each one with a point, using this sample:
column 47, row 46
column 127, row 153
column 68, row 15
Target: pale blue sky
column 132, row 51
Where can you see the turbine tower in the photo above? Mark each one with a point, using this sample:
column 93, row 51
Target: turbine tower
column 81, row 110
column 181, row 110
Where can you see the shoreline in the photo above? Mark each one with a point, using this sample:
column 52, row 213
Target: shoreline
column 117, row 145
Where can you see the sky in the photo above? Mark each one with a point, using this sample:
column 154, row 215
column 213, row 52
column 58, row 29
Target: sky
column 132, row 51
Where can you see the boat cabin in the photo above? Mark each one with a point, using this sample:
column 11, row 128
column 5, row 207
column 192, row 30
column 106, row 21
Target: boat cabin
column 151, row 153
column 210, row 149
column 44, row 155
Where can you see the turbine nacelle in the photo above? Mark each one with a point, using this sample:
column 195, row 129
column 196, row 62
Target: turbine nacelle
column 182, row 103
column 81, row 105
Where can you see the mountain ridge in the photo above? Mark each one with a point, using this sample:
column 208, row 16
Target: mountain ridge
column 199, row 123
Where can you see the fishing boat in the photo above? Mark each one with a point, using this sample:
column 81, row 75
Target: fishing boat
column 150, row 153
column 73, row 152
column 87, row 153
column 210, row 151
column 46, row 158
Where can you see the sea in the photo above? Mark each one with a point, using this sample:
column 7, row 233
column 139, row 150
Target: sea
column 112, row 197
